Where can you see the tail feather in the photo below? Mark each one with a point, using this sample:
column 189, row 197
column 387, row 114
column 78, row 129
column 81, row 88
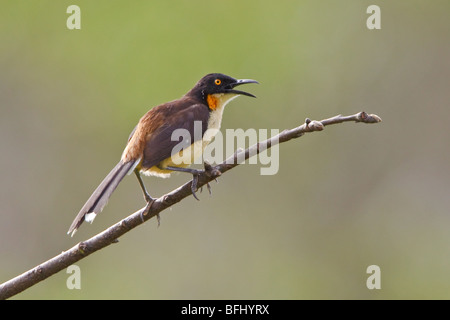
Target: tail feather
column 101, row 195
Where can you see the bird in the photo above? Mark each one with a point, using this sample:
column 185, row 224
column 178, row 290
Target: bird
column 150, row 147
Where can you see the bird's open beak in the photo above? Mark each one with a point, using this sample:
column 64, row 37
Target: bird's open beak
column 238, row 83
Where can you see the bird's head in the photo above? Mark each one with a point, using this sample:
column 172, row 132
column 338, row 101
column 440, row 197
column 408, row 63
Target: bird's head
column 217, row 89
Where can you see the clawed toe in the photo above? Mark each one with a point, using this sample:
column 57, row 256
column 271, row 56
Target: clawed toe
column 147, row 208
column 194, row 185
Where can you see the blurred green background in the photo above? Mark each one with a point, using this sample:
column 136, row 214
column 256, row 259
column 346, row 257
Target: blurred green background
column 351, row 196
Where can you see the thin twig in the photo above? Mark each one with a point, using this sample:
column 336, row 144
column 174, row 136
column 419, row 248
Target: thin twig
column 110, row 235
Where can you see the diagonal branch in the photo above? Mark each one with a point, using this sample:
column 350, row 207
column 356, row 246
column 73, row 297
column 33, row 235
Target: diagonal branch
column 110, row 235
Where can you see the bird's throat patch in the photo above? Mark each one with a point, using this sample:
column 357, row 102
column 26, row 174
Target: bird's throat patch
column 212, row 101
column 217, row 101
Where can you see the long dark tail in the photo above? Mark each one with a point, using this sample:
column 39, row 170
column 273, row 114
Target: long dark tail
column 101, row 195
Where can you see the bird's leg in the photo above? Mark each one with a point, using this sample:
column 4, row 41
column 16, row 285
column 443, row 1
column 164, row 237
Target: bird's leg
column 147, row 197
column 195, row 173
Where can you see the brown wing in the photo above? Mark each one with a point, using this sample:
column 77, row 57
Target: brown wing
column 159, row 144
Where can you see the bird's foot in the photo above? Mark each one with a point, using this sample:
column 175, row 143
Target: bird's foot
column 210, row 171
column 147, row 208
column 194, row 182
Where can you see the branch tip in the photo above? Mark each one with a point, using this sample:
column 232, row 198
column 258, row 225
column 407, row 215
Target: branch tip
column 375, row 118
column 368, row 118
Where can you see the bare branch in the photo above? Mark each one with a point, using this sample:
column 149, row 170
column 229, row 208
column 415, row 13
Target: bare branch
column 110, row 235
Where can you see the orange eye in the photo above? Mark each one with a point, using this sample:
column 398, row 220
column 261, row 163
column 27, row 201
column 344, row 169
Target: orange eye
column 218, row 82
